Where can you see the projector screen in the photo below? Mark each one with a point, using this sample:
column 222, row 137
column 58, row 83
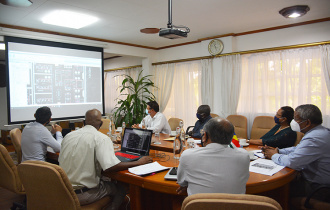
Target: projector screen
column 65, row 77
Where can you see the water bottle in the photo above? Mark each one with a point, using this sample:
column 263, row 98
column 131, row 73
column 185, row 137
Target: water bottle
column 143, row 124
column 177, row 145
column 123, row 128
column 182, row 134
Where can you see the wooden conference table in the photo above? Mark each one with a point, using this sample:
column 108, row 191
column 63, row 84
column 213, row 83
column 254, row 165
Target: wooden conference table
column 154, row 192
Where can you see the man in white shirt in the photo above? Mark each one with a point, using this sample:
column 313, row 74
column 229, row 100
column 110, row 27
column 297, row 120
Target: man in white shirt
column 84, row 154
column 36, row 137
column 215, row 167
column 155, row 120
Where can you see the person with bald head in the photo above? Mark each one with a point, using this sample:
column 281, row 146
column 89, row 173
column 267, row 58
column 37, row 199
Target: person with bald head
column 214, row 167
column 84, row 154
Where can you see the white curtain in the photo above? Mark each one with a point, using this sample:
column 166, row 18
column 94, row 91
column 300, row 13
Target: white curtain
column 207, row 83
column 112, row 83
column 227, row 80
column 163, row 78
column 325, row 53
column 185, row 96
column 292, row 77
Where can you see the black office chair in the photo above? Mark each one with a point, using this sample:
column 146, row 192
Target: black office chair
column 188, row 129
column 310, row 196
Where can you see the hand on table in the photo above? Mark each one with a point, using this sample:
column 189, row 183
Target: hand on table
column 145, row 160
column 182, row 190
column 269, row 151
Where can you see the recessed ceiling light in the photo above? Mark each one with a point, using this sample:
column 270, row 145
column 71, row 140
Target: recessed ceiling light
column 294, row 11
column 68, row 19
column 2, row 46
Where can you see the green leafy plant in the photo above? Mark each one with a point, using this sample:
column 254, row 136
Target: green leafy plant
column 132, row 109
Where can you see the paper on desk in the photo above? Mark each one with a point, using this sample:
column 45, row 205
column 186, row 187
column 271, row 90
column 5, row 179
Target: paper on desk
column 147, row 168
column 258, row 153
column 170, row 139
column 263, row 166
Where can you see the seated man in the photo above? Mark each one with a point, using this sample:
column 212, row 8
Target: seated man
column 203, row 115
column 155, row 120
column 36, row 137
column 215, row 167
column 85, row 153
column 311, row 156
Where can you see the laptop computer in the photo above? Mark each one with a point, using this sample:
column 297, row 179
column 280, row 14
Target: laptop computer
column 135, row 144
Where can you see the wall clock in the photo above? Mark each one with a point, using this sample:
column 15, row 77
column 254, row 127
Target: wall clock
column 215, row 47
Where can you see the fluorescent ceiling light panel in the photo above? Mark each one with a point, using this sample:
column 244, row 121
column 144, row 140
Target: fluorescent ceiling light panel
column 69, row 19
column 2, row 46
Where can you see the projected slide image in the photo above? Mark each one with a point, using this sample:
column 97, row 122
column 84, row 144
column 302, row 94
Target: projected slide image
column 59, row 84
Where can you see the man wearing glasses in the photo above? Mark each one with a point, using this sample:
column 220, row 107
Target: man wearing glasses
column 215, row 167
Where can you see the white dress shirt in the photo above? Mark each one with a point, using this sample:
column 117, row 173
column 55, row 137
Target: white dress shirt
column 214, row 169
column 84, row 154
column 158, row 122
column 35, row 139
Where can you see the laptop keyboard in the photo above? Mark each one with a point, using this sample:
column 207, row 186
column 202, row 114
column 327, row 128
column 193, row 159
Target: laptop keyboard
column 126, row 155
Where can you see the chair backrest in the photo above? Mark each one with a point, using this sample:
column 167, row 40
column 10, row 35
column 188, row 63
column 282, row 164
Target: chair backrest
column 214, row 115
column 210, row 201
column 47, row 185
column 300, row 135
column 9, row 178
column 174, row 123
column 261, row 125
column 16, row 137
column 106, row 123
column 240, row 124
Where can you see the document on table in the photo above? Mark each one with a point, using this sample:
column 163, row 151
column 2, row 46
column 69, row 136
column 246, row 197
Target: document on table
column 170, row 139
column 147, row 168
column 263, row 166
column 258, row 153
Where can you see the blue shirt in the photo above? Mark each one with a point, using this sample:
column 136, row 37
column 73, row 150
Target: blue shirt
column 311, row 156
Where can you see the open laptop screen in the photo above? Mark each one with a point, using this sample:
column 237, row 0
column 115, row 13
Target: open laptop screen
column 137, row 141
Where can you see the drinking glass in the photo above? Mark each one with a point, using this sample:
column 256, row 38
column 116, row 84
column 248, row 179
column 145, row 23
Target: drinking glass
column 113, row 138
column 157, row 137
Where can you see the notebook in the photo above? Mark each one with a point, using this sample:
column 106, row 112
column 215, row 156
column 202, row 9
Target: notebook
column 135, row 144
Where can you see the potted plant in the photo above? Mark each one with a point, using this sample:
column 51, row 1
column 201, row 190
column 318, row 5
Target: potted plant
column 131, row 110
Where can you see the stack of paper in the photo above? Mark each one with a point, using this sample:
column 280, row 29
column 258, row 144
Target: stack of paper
column 263, row 166
column 147, row 168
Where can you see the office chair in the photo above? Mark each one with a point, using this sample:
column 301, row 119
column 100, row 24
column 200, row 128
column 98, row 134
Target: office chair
column 174, row 123
column 240, row 124
column 106, row 123
column 300, row 135
column 214, row 115
column 309, row 202
column 261, row 125
column 9, row 178
column 224, row 201
column 16, row 137
column 48, row 187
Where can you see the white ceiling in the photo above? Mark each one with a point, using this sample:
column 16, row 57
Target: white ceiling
column 121, row 20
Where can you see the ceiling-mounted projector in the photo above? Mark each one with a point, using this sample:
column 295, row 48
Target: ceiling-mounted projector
column 172, row 33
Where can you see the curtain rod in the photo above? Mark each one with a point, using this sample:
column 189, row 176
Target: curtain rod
column 245, row 52
column 123, row 68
